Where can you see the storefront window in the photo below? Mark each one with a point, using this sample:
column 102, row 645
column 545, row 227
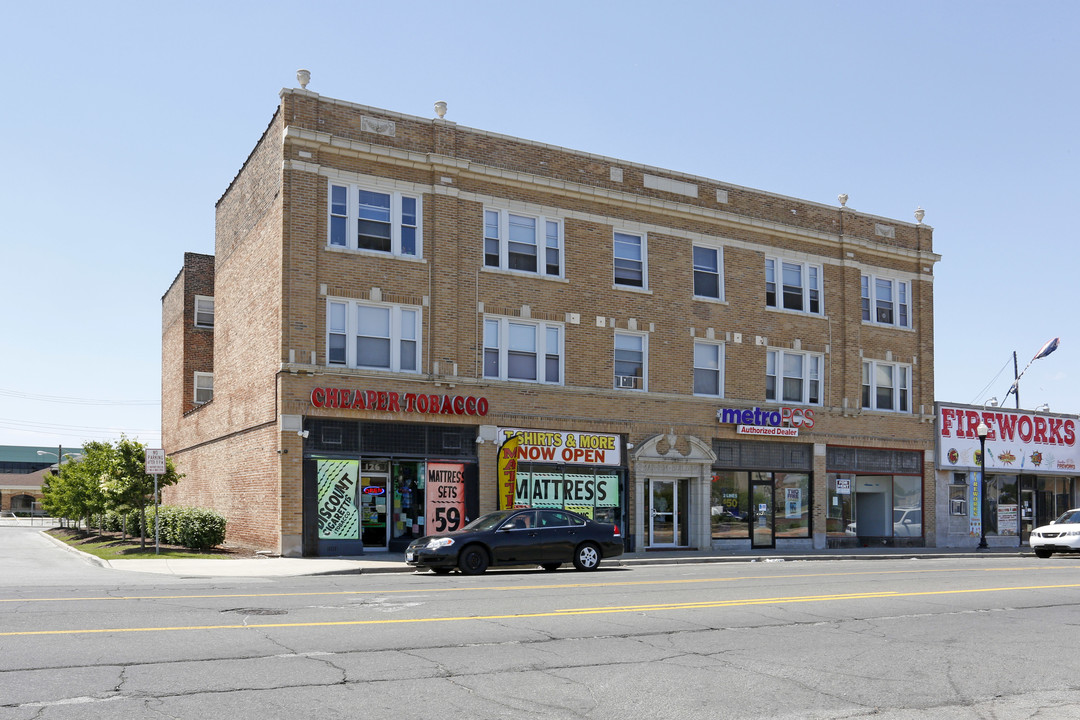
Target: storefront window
column 1001, row 505
column 792, row 505
column 840, row 512
column 339, row 516
column 408, row 509
column 907, row 506
column 730, row 500
column 1054, row 495
column 592, row 492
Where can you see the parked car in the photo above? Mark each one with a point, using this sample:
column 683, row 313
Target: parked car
column 547, row 538
column 1060, row 536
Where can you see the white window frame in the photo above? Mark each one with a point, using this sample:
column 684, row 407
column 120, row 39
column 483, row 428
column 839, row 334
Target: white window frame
column 204, row 382
column 399, row 336
column 776, row 368
column 870, row 300
column 718, row 273
column 496, row 330
column 719, row 369
column 546, row 242
column 809, row 274
column 643, row 244
column 398, row 219
column 902, row 377
column 204, row 300
column 631, row 382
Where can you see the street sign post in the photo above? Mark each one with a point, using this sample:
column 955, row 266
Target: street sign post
column 155, row 465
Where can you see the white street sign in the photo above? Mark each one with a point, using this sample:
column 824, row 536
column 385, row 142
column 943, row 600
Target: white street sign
column 155, row 461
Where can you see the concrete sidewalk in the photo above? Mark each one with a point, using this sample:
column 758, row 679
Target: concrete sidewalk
column 386, row 562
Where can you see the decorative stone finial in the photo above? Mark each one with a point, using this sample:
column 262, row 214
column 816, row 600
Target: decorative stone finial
column 842, row 197
column 919, row 215
column 440, row 108
column 303, row 77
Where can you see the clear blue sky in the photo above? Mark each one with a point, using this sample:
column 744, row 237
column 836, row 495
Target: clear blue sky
column 123, row 123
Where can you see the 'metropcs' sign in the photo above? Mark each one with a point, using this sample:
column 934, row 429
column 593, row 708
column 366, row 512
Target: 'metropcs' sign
column 783, row 422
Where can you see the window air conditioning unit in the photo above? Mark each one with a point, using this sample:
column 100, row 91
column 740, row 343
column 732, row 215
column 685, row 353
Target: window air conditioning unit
column 625, row 381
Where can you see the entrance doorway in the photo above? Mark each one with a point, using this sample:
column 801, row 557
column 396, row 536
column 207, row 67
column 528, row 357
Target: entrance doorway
column 374, row 504
column 762, row 515
column 667, row 513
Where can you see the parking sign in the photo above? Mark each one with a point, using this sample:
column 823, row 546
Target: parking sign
column 155, row 461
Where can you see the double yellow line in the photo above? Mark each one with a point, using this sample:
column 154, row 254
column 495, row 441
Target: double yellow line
column 652, row 607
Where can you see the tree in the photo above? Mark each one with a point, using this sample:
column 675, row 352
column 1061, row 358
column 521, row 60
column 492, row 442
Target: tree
column 128, row 486
column 75, row 491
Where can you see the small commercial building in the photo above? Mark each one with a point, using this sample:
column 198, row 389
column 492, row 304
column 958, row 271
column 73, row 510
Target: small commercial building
column 1032, row 471
column 406, row 323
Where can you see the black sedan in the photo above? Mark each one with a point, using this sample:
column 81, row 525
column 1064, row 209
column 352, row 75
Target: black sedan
column 547, row 538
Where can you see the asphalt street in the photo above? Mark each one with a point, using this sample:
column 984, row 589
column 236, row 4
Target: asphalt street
column 954, row 637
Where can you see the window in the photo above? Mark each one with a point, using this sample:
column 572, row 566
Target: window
column 369, row 335
column 886, row 301
column 204, row 388
column 630, row 358
column 365, row 219
column 523, row 350
column 204, row 311
column 793, row 286
column 526, row 243
column 793, row 377
column 707, row 272
column 708, row 369
column 886, row 386
column 630, row 269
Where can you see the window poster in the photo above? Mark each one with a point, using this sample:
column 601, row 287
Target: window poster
column 339, row 517
column 445, row 497
column 793, row 502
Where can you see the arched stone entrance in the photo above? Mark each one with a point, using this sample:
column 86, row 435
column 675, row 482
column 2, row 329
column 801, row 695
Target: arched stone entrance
column 671, row 490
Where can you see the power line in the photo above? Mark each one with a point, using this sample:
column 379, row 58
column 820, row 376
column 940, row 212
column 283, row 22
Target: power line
column 73, row 400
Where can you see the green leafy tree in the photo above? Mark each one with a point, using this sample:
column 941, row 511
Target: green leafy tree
column 75, row 491
column 128, row 486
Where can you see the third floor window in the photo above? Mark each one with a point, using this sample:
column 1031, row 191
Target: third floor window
column 525, row 243
column 368, row 219
column 793, row 285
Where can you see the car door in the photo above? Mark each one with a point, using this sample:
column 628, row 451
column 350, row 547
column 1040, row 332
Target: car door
column 558, row 536
column 516, row 540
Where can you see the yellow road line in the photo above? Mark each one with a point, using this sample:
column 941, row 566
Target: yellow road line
column 555, row 613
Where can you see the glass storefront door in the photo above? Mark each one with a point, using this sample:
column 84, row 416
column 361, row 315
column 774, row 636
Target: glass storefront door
column 761, row 513
column 667, row 513
column 374, row 501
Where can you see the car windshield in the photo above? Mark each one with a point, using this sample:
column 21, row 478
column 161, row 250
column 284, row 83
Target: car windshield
column 1072, row 516
column 488, row 522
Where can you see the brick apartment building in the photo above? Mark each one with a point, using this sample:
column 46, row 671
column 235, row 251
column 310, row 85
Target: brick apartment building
column 393, row 297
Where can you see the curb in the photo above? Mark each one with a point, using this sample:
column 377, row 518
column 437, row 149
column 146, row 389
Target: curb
column 85, row 557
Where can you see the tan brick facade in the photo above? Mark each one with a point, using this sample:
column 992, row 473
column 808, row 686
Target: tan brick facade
column 275, row 272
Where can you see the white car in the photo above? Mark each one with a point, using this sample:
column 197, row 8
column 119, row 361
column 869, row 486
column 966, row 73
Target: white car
column 1060, row 536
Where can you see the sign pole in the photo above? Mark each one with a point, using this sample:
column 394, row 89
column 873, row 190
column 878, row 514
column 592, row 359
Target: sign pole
column 157, row 521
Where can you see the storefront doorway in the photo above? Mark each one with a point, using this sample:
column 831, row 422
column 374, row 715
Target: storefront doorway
column 762, row 512
column 667, row 514
column 374, row 497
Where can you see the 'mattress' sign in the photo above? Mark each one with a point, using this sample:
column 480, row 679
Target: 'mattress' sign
column 781, row 422
column 564, row 447
column 1016, row 441
column 389, row 401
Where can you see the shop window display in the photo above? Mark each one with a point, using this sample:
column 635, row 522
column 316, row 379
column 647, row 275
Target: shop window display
column 792, row 505
column 730, row 505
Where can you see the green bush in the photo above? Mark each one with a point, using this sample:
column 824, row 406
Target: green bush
column 189, row 527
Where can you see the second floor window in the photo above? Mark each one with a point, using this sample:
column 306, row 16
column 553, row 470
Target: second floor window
column 631, row 354
column 366, row 219
column 523, row 350
column 793, row 286
column 886, row 386
column 370, row 335
column 708, row 369
column 204, row 311
column 630, row 266
column 204, row 388
column 886, row 301
column 526, row 243
column 793, row 377
column 707, row 273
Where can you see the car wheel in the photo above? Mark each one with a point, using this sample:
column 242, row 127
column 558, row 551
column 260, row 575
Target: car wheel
column 587, row 557
column 441, row 570
column 473, row 560
column 550, row 567
column 1039, row 552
